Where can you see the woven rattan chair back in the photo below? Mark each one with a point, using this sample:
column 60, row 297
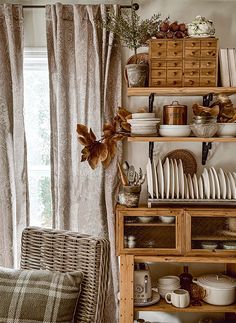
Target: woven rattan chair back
column 66, row 251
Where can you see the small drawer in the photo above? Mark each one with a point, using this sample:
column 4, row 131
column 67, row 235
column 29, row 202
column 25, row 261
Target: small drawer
column 157, row 44
column 174, row 74
column 191, row 64
column 191, row 73
column 191, row 81
column 208, row 81
column 158, row 64
column 192, row 43
column 158, row 74
column 208, row 72
column 174, row 53
column 174, row 45
column 208, row 53
column 174, row 82
column 174, row 64
column 158, row 53
column 209, row 43
column 158, row 82
column 192, row 53
column 208, row 64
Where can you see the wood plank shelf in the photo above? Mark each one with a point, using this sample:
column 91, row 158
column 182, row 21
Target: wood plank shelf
column 151, row 225
column 188, row 259
column 213, row 238
column 180, row 139
column 162, row 306
column 179, row 91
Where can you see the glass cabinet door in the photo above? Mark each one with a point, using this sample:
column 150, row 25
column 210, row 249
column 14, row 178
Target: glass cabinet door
column 153, row 232
column 211, row 232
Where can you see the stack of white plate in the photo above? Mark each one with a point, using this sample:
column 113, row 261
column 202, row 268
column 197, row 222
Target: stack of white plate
column 168, row 181
column 144, row 124
column 167, row 284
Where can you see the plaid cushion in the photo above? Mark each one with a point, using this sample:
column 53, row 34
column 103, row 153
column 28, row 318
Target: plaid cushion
column 28, row 296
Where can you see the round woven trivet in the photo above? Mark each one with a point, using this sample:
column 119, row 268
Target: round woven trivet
column 188, row 159
column 141, row 57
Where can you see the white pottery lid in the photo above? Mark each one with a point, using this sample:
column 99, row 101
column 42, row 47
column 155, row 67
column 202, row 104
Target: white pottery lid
column 217, row 281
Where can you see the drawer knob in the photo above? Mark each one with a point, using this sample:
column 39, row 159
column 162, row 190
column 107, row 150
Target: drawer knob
column 193, row 44
column 193, row 53
column 208, row 44
column 159, row 64
column 208, row 64
column 174, row 82
column 176, row 64
column 192, row 73
column 158, row 82
column 208, row 73
column 175, row 44
column 209, row 53
column 175, row 53
column 159, row 53
column 191, row 82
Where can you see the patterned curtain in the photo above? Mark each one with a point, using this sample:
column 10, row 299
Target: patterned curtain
column 85, row 87
column 13, row 166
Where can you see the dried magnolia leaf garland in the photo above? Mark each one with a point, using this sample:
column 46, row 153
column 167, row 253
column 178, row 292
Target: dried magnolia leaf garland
column 104, row 149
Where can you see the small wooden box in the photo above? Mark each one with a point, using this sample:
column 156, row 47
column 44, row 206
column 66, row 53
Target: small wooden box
column 188, row 62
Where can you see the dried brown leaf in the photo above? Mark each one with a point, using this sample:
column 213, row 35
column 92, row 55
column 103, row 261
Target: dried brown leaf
column 83, row 141
column 123, row 113
column 93, row 161
column 126, row 126
column 118, row 137
column 92, row 135
column 107, row 161
column 103, row 151
column 82, row 130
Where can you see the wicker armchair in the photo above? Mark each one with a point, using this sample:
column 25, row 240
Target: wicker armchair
column 68, row 251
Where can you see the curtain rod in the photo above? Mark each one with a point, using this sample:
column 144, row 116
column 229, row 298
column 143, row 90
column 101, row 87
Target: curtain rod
column 134, row 6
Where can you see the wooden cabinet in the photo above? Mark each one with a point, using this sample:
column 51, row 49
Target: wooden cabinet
column 176, row 242
column 183, row 62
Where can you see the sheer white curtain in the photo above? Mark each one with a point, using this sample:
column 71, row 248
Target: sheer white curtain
column 13, row 167
column 85, row 87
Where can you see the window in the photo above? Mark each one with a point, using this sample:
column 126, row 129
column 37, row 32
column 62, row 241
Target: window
column 37, row 124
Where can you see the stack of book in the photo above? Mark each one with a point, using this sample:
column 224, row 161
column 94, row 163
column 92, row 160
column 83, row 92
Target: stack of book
column 227, row 59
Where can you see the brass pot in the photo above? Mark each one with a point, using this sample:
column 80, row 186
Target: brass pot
column 175, row 114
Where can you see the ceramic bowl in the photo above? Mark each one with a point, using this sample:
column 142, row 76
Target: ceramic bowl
column 168, row 280
column 140, row 115
column 226, row 130
column 145, row 219
column 167, row 219
column 174, row 130
column 229, row 245
column 210, row 245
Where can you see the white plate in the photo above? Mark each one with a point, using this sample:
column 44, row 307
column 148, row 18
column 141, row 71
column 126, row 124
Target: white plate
column 149, row 178
column 181, row 178
column 195, row 186
column 172, row 180
column 234, row 176
column 206, row 184
column 228, row 187
column 190, row 185
column 155, row 298
column 176, row 179
column 222, row 181
column 155, row 183
column 160, row 177
column 166, row 168
column 233, row 186
column 200, row 188
column 217, row 184
column 186, row 189
column 212, row 184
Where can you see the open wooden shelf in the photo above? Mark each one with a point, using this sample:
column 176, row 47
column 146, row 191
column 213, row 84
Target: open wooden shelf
column 162, row 306
column 215, row 237
column 151, row 225
column 188, row 259
column 179, row 91
column 180, row 139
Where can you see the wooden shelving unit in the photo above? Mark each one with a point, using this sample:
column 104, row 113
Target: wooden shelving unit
column 179, row 91
column 180, row 139
column 162, row 306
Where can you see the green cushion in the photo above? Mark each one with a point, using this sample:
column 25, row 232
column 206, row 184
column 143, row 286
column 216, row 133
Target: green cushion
column 28, row 296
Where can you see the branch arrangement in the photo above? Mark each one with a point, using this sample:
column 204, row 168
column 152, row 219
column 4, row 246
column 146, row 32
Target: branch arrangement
column 104, row 149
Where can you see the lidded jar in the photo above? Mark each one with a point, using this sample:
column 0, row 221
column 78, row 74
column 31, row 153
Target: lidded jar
column 175, row 114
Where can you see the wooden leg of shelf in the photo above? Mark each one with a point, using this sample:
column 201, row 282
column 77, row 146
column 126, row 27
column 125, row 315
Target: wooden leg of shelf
column 126, row 289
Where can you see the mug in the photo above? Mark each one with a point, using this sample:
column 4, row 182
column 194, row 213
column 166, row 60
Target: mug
column 178, row 298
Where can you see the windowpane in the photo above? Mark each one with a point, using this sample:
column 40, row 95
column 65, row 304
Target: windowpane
column 37, row 124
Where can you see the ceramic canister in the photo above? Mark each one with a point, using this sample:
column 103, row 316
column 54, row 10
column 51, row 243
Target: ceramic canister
column 175, row 114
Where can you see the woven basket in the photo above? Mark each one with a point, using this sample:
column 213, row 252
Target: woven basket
column 67, row 251
column 188, row 159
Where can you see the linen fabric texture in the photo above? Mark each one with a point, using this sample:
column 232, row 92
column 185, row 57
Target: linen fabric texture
column 38, row 296
column 14, row 208
column 85, row 87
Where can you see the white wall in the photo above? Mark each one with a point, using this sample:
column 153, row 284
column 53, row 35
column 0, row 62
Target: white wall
column 222, row 12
